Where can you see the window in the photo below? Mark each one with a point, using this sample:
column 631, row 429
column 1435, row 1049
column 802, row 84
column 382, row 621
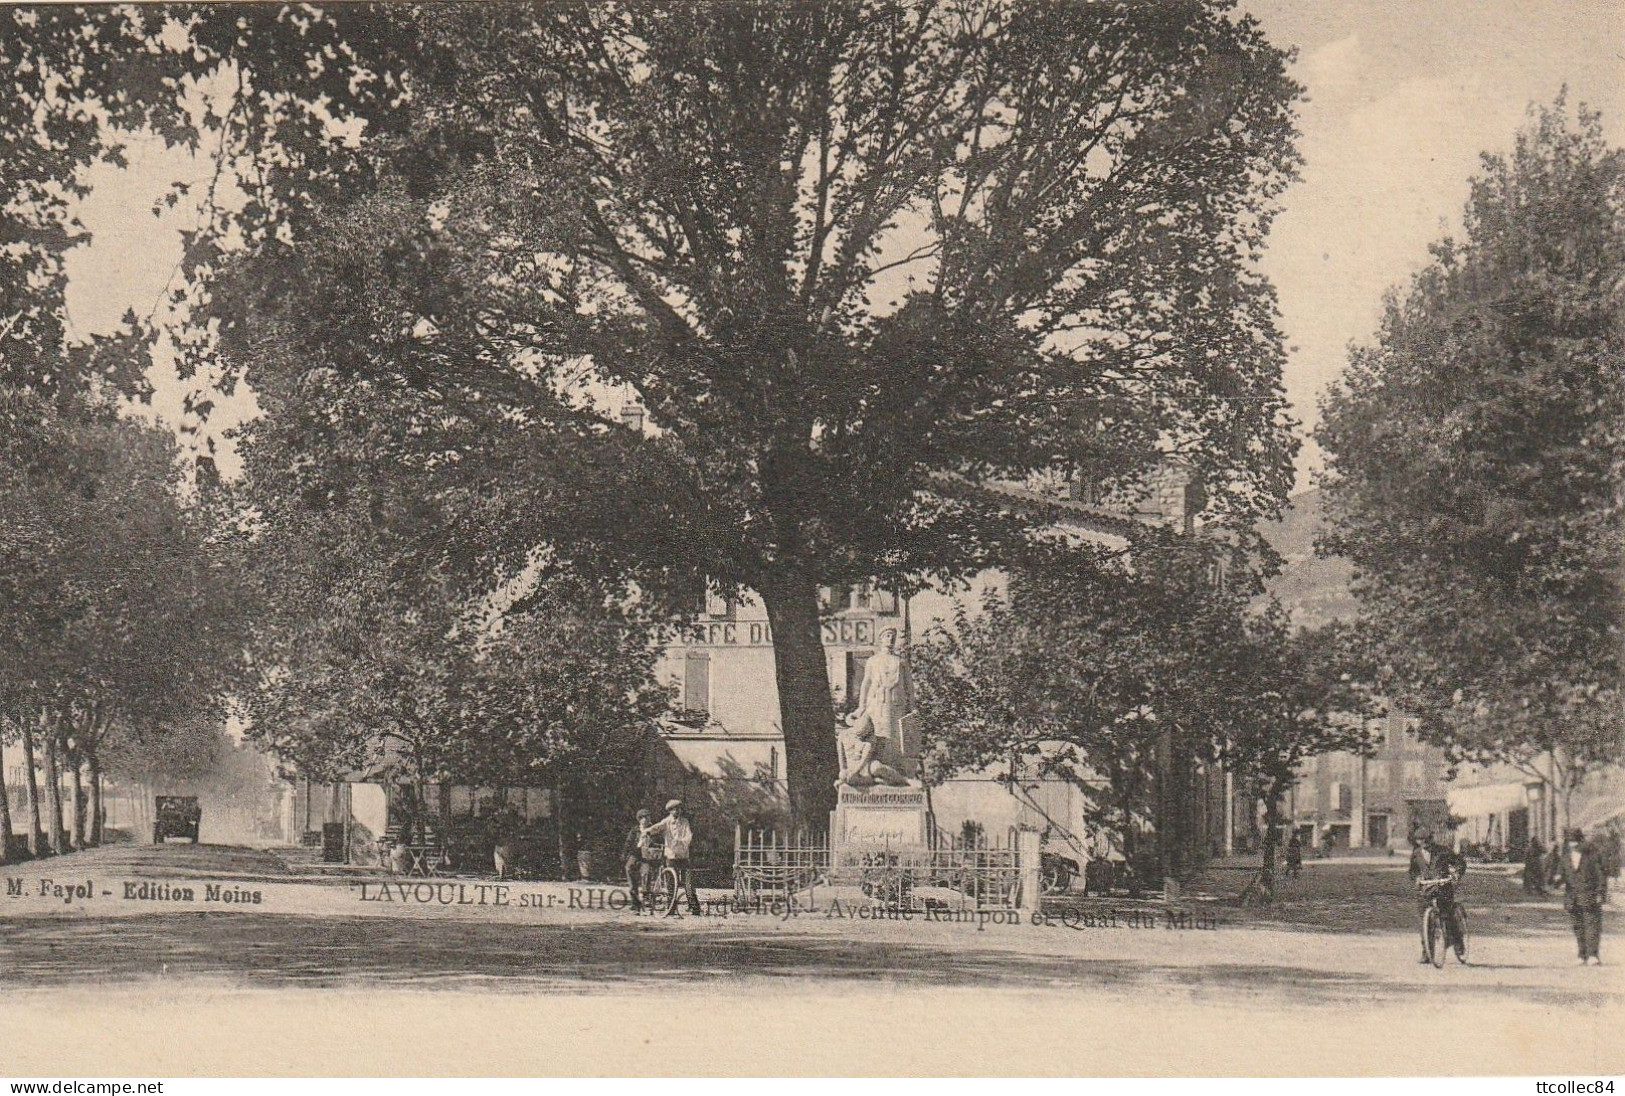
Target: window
column 1345, row 797
column 886, row 602
column 1376, row 776
column 1413, row 774
column 462, row 800
column 718, row 606
column 536, row 803
column 862, row 597
column 697, row 682
column 826, row 600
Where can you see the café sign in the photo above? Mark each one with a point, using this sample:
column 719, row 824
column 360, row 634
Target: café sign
column 837, row 632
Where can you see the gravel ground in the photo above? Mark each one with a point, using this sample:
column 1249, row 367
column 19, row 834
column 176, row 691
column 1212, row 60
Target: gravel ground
column 1339, row 946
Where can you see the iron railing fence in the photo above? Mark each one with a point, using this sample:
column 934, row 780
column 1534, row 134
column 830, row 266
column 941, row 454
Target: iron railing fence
column 951, row 872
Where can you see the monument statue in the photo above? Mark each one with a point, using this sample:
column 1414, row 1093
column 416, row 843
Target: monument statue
column 871, row 743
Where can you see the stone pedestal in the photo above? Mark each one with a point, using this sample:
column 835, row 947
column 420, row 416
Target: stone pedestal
column 879, row 819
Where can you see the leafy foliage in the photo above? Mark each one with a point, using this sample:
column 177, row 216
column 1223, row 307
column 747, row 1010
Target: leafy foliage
column 849, row 258
column 1100, row 674
column 1476, row 455
column 372, row 659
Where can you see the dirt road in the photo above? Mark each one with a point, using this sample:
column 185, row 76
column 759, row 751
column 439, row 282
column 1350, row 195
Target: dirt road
column 169, row 929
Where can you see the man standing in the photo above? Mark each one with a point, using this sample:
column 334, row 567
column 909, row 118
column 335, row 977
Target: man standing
column 640, row 854
column 1584, row 887
column 678, row 835
column 1294, row 856
column 1534, row 869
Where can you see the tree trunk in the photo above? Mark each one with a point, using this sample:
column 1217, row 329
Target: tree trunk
column 34, row 827
column 806, row 708
column 53, row 791
column 561, row 830
column 5, row 810
column 76, row 766
column 98, row 815
column 1272, row 829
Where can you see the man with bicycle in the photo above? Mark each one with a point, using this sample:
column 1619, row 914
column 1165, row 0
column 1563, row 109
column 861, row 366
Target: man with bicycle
column 678, row 835
column 1435, row 870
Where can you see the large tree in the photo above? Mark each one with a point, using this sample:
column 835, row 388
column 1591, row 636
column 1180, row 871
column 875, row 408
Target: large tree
column 1476, row 458
column 850, row 258
column 1117, row 678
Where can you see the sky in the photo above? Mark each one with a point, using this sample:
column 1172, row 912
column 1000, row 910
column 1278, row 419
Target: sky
column 1402, row 98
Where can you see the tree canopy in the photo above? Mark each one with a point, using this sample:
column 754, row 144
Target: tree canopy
column 1107, row 676
column 1476, row 453
column 847, row 258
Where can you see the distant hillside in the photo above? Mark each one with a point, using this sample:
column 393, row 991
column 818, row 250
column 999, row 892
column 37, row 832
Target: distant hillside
column 1315, row 591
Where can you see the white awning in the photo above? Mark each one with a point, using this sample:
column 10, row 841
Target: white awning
column 1486, row 799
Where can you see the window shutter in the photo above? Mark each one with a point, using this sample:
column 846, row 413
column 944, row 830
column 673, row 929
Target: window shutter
column 697, row 682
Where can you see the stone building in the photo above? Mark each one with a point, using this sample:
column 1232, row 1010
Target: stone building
column 1377, row 801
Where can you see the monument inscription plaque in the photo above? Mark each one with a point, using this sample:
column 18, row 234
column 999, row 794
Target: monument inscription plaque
column 882, row 817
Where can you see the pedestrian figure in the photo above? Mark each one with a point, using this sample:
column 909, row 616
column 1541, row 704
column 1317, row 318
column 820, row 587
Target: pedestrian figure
column 641, row 855
column 1433, row 861
column 1294, row 856
column 1534, row 869
column 678, row 835
column 1584, row 888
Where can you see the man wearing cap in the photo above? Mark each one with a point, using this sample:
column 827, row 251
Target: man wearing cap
column 1432, row 861
column 642, row 856
column 678, row 835
column 1584, row 888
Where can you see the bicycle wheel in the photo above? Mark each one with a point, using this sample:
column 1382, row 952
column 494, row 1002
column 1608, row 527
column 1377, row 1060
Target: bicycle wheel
column 1461, row 935
column 667, row 902
column 1431, row 931
column 657, row 895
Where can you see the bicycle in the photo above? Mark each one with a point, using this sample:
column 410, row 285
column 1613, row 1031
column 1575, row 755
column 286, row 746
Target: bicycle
column 1433, row 925
column 663, row 892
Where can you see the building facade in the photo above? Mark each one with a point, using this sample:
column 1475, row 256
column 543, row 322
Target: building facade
column 1377, row 801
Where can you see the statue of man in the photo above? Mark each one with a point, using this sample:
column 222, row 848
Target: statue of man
column 872, row 738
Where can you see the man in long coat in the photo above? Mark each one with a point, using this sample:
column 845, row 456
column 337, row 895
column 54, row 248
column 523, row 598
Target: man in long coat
column 1585, row 886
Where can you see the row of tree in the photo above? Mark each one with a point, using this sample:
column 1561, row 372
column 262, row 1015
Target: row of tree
column 852, row 258
column 118, row 624
column 1476, row 466
column 116, row 618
